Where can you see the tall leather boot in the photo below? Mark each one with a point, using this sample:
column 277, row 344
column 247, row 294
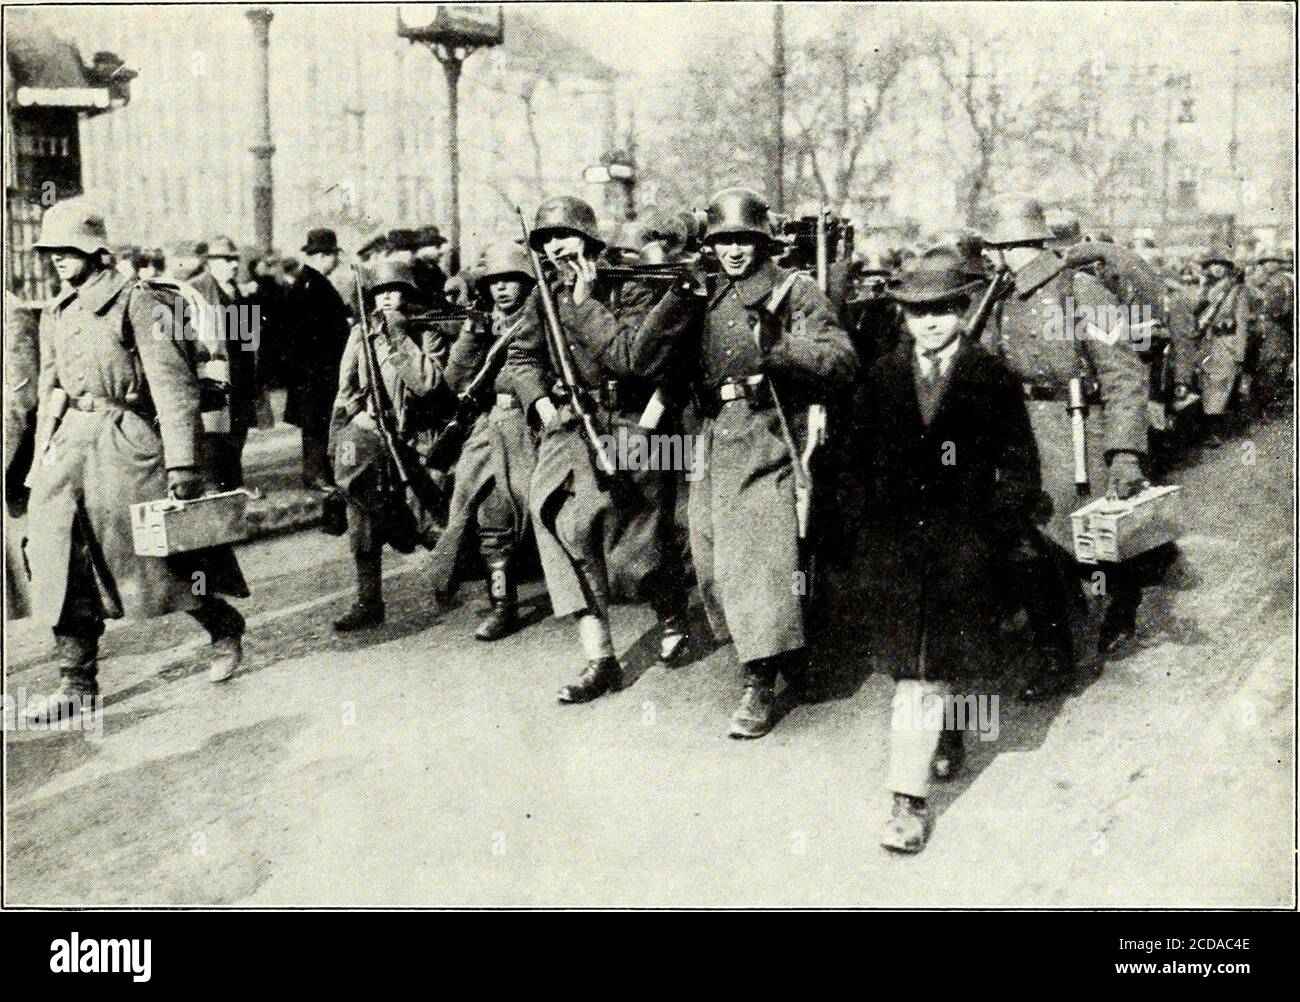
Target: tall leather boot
column 368, row 609
column 78, row 689
column 225, row 626
column 503, row 619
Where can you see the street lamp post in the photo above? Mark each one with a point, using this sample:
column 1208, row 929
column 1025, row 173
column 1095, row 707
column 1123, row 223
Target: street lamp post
column 452, row 39
column 263, row 149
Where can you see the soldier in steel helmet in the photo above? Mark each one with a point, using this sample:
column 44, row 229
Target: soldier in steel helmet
column 615, row 532
column 489, row 504
column 1222, row 312
column 118, row 423
column 367, row 427
column 769, row 346
column 1051, row 329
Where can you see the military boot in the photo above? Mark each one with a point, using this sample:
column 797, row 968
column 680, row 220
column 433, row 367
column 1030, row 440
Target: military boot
column 78, row 689
column 949, row 756
column 602, row 675
column 368, row 609
column 674, row 638
column 225, row 625
column 502, row 620
column 908, row 827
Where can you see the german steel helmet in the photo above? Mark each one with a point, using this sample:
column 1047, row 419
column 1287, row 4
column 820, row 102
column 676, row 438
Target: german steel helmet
column 736, row 211
column 505, row 259
column 1020, row 221
column 73, row 224
column 391, row 275
column 565, row 214
column 1219, row 253
column 937, row 275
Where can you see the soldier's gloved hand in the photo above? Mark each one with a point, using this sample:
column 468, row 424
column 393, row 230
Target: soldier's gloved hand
column 1126, row 478
column 184, row 483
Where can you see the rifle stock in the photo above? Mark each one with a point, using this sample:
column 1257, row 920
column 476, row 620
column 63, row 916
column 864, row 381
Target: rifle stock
column 378, row 411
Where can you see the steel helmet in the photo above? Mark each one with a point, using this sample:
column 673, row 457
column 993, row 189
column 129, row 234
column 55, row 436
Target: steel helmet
column 391, row 275
column 1019, row 221
column 74, row 224
column 736, row 211
column 502, row 260
column 565, row 214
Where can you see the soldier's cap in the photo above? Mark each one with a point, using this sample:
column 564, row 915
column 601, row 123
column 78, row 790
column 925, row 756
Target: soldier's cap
column 403, row 240
column 373, row 243
column 1218, row 254
column 321, row 241
column 189, row 248
column 73, row 225
column 1065, row 226
column 1280, row 255
column 223, row 247
column 934, row 277
column 1019, row 221
column 430, row 236
column 390, row 275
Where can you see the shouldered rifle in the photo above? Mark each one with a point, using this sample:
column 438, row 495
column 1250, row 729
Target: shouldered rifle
column 564, row 359
column 375, row 395
column 1002, row 280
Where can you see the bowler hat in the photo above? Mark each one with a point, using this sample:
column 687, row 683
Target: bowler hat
column 935, row 276
column 73, row 225
column 189, row 248
column 430, row 236
column 322, row 241
column 403, row 240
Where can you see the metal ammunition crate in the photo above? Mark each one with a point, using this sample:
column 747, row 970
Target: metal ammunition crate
column 1111, row 531
column 162, row 528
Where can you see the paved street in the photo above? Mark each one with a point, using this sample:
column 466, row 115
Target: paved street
column 414, row 766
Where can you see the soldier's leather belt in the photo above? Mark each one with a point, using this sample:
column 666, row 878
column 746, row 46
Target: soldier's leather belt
column 91, row 404
column 1044, row 391
column 752, row 388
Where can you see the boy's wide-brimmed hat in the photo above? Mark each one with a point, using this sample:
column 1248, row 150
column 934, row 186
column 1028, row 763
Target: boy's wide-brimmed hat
column 934, row 277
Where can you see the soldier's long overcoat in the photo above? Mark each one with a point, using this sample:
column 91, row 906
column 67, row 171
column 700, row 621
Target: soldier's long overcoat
column 1027, row 330
column 410, row 368
column 613, row 534
column 1223, row 313
column 741, row 503
column 103, row 341
column 499, row 454
column 22, row 368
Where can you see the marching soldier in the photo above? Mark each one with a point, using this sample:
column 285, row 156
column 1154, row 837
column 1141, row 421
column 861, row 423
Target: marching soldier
column 1223, row 318
column 614, row 530
column 1045, row 329
column 375, row 433
column 217, row 285
column 769, row 346
column 497, row 460
column 1272, row 298
column 117, row 423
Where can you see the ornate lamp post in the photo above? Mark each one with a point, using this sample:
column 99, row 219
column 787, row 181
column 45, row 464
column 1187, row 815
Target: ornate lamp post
column 453, row 38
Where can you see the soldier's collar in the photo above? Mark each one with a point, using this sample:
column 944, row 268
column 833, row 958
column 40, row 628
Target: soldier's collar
column 1038, row 273
column 753, row 290
column 97, row 291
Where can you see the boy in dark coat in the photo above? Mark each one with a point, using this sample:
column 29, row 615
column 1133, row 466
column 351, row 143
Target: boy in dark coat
column 954, row 475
